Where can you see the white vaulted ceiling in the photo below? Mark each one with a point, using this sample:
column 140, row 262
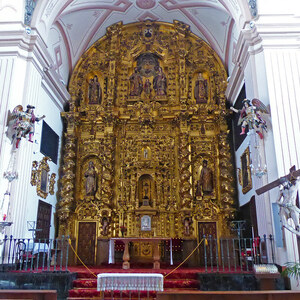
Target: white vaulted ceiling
column 77, row 24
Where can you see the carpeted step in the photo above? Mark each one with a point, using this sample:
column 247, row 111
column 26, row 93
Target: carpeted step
column 85, row 283
column 181, row 284
column 91, row 293
column 168, row 283
column 180, row 274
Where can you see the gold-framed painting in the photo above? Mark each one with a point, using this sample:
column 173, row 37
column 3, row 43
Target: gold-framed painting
column 245, row 178
column 42, row 178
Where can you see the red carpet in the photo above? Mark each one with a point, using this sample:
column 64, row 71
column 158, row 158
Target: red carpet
column 85, row 286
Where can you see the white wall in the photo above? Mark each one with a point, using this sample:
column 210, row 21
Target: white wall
column 26, row 78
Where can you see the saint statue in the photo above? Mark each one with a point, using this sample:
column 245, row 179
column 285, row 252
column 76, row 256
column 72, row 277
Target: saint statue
column 160, row 83
column 95, row 91
column 145, row 153
column 91, row 180
column 147, row 87
column 105, row 226
column 201, row 90
column 136, row 84
column 205, row 182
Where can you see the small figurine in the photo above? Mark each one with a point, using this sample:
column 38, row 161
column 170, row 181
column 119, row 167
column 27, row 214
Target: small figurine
column 201, row 89
column 147, row 87
column 21, row 123
column 287, row 204
column 249, row 116
column 187, row 223
column 105, row 225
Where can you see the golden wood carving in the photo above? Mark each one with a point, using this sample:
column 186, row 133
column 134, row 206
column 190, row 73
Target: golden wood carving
column 160, row 113
column 52, row 183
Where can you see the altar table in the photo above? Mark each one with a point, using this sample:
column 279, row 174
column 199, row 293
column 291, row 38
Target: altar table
column 126, row 256
column 130, row 281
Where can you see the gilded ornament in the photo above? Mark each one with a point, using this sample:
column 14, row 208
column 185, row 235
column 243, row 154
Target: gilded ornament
column 147, row 126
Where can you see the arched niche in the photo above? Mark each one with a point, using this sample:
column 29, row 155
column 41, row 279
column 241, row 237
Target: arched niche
column 146, row 188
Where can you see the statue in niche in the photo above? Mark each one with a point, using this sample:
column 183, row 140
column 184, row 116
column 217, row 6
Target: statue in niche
column 105, row 225
column 205, row 182
column 187, row 223
column 145, row 190
column 146, row 193
column 201, row 89
column 160, row 83
column 95, row 91
column 136, row 83
column 146, row 153
column 147, row 87
column 91, row 180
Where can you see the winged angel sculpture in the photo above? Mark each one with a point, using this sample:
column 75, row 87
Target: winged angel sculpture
column 250, row 116
column 21, row 123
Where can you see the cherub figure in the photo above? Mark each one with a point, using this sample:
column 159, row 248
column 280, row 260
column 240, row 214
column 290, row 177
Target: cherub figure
column 249, row 115
column 21, row 123
column 287, row 204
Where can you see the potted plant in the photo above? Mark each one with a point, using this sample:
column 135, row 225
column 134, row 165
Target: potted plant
column 292, row 270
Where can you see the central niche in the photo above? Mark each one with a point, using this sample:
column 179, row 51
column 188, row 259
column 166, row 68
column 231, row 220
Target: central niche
column 148, row 78
column 146, row 191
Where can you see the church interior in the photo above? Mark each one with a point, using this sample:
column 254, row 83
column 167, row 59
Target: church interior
column 150, row 138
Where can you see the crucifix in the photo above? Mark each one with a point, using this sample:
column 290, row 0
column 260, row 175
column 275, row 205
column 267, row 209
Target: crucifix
column 287, row 198
column 287, row 178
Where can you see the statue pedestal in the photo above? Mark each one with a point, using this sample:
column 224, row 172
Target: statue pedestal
column 4, row 224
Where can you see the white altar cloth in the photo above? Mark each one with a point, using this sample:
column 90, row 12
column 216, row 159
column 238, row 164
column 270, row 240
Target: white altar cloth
column 130, row 281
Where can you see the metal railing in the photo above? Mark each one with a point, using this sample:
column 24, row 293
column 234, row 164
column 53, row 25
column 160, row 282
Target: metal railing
column 213, row 255
column 235, row 254
column 29, row 254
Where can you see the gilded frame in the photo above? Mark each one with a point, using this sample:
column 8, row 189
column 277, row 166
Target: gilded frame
column 42, row 185
column 245, row 178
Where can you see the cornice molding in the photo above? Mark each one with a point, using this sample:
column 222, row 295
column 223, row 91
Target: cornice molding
column 31, row 47
column 249, row 43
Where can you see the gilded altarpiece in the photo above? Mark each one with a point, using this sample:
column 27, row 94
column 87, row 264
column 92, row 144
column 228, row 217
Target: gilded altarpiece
column 146, row 135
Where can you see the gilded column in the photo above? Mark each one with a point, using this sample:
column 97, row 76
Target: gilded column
column 67, row 199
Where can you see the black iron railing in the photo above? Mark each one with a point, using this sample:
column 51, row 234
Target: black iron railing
column 29, row 254
column 235, row 254
column 213, row 255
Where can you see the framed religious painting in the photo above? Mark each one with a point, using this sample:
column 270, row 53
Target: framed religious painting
column 146, row 223
column 245, row 178
column 43, row 178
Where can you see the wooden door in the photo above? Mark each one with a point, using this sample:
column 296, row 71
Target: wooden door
column 208, row 250
column 43, row 222
column 86, row 242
